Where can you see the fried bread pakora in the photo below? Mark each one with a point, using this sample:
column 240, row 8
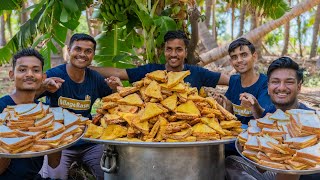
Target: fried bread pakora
column 132, row 99
column 114, row 131
column 155, row 110
column 170, row 102
column 153, row 90
column 158, row 75
column 151, row 110
column 188, row 108
column 112, row 97
column 175, row 78
column 124, row 91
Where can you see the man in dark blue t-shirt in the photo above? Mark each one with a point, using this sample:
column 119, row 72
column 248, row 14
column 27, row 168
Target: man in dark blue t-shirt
column 27, row 73
column 80, row 88
column 285, row 79
column 175, row 52
column 247, row 89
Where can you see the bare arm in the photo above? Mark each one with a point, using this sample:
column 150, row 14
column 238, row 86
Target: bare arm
column 54, row 159
column 224, row 79
column 4, row 164
column 110, row 71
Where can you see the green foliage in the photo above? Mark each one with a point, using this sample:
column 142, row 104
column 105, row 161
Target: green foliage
column 10, row 5
column 49, row 22
column 133, row 14
column 274, row 8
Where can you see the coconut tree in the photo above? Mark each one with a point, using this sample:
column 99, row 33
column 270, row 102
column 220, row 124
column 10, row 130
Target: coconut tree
column 260, row 31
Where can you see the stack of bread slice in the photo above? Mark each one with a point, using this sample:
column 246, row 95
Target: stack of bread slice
column 162, row 108
column 36, row 127
column 284, row 140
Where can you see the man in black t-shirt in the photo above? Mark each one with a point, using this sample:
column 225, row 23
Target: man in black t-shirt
column 27, row 73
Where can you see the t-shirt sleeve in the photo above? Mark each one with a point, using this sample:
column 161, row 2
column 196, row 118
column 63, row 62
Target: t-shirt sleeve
column 136, row 74
column 264, row 98
column 209, row 78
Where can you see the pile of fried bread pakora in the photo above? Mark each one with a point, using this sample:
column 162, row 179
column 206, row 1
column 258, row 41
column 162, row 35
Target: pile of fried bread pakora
column 162, row 108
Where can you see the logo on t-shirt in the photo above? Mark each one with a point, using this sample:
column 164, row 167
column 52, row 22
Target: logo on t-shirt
column 241, row 111
column 75, row 104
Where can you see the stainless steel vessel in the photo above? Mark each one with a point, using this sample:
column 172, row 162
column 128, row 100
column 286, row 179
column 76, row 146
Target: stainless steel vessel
column 163, row 161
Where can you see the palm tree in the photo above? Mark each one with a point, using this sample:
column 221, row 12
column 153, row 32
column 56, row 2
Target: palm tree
column 261, row 31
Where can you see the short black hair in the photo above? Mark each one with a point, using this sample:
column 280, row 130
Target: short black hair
column 83, row 37
column 286, row 63
column 179, row 34
column 239, row 43
column 27, row 52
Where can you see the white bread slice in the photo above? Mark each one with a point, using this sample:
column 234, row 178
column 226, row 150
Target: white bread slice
column 252, row 143
column 301, row 142
column 33, row 113
column 72, row 130
column 36, row 135
column 83, row 120
column 4, row 116
column 312, row 152
column 7, row 132
column 70, row 119
column 58, row 128
column 263, row 156
column 251, row 155
column 266, row 122
column 57, row 113
column 309, row 122
column 279, row 115
column 253, row 123
column 16, row 141
column 52, row 141
column 272, row 132
column 263, row 144
column 44, row 127
column 299, row 111
column 253, row 130
column 273, row 164
column 23, row 108
column 243, row 137
column 44, row 120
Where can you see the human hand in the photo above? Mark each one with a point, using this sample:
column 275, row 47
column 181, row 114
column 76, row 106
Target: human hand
column 113, row 82
column 52, row 84
column 221, row 99
column 247, row 100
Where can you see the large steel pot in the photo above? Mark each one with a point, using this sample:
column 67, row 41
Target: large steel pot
column 142, row 160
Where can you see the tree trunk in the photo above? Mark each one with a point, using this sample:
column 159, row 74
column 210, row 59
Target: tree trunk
column 286, row 36
column 260, row 32
column 93, row 25
column 232, row 19
column 208, row 12
column 214, row 25
column 299, row 35
column 2, row 31
column 194, row 16
column 254, row 25
column 242, row 17
column 314, row 44
column 24, row 16
column 9, row 24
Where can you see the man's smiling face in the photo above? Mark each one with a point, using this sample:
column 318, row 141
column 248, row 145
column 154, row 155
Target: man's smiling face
column 81, row 53
column 283, row 87
column 175, row 53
